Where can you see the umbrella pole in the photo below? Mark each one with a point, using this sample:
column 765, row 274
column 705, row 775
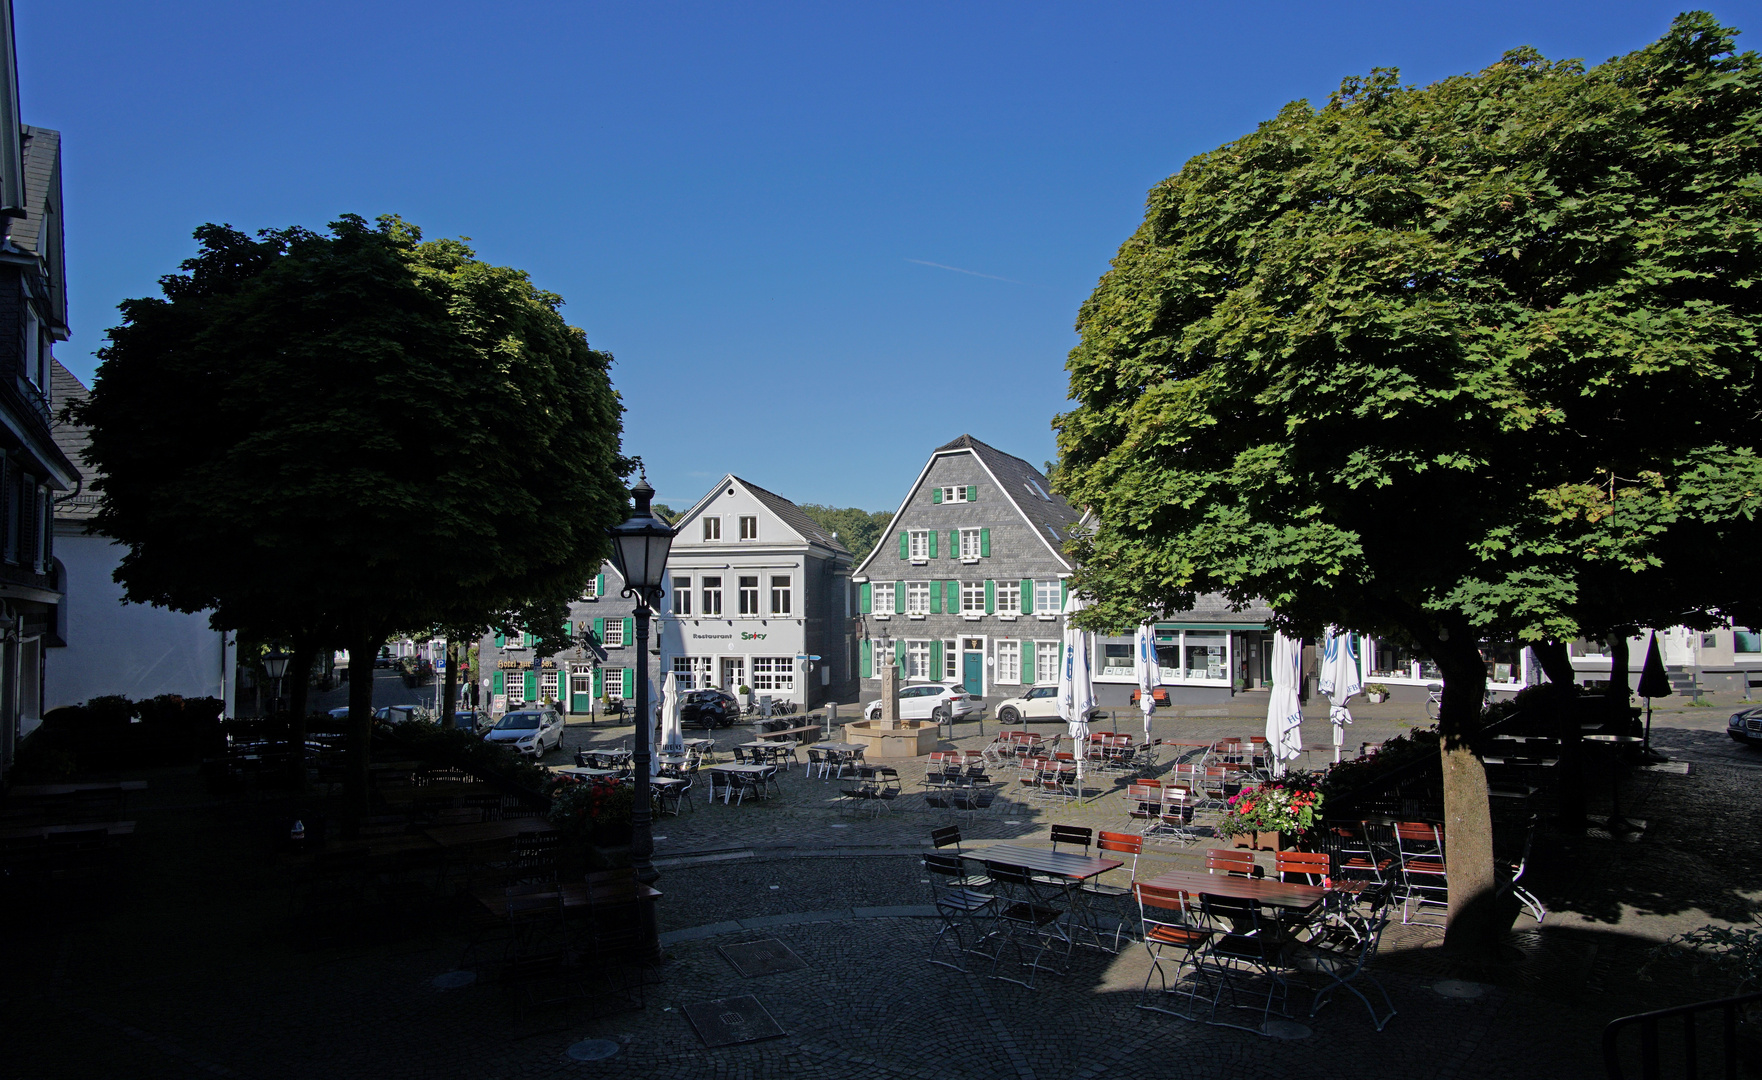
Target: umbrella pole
column 1647, row 745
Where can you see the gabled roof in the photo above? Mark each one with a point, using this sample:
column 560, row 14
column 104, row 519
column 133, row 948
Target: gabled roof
column 39, row 231
column 1026, row 488
column 65, row 386
column 787, row 512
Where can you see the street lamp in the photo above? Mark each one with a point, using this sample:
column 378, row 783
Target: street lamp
column 275, row 665
column 639, row 551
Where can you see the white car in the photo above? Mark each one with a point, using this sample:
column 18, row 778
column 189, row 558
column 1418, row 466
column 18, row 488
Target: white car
column 930, row 701
column 531, row 731
column 1040, row 703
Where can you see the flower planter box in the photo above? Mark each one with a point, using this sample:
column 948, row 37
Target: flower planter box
column 1262, row 841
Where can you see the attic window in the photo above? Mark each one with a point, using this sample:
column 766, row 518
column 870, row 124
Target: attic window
column 1053, row 532
column 1035, row 488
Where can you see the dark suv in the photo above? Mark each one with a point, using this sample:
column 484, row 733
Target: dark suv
column 708, row 709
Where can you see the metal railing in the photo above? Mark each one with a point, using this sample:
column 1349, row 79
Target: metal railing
column 1650, row 1025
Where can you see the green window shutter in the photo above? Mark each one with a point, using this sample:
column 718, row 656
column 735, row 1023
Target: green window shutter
column 972, row 493
column 532, row 686
column 953, row 591
column 866, row 657
column 1027, row 597
column 629, row 631
column 936, row 660
column 865, row 598
column 526, row 639
column 599, row 630
column 1064, row 593
column 599, row 682
column 932, row 543
column 905, row 544
column 899, row 653
column 935, row 597
column 496, row 683
column 935, row 495
column 985, row 543
column 630, row 683
column 568, row 629
column 501, row 641
column 991, row 598
column 599, row 585
column 954, row 543
column 898, row 597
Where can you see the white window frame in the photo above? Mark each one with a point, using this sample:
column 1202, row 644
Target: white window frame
column 918, row 545
column 878, row 590
column 1007, row 668
column 917, row 659
column 592, row 592
column 613, row 674
column 972, row 599
column 748, row 595
column 749, row 527
column 580, row 682
column 1009, row 598
column 693, row 671
column 613, row 638
column 682, row 596
column 511, row 679
column 547, row 685
column 774, row 674
column 782, row 594
column 951, row 661
column 1047, row 602
column 956, row 494
column 712, row 597
column 917, row 598
column 712, row 529
column 969, row 545
column 1046, row 658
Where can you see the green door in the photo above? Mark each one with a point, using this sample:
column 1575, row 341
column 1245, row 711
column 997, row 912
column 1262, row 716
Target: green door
column 973, row 670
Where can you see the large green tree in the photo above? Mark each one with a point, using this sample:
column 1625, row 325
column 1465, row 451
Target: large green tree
column 1465, row 361
column 858, row 530
column 334, row 436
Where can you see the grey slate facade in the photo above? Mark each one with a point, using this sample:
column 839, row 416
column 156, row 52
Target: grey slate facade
column 512, row 676
column 968, row 585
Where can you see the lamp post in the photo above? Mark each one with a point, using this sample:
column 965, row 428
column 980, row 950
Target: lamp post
column 639, row 551
column 275, row 665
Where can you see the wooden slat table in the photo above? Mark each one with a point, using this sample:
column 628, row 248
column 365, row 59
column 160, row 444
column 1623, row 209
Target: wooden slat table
column 52, row 791
column 1042, row 861
column 1287, row 896
column 43, row 832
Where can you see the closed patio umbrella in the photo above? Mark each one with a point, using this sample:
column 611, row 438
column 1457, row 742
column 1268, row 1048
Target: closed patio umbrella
column 1284, row 713
column 1149, row 673
column 1076, row 685
column 1339, row 680
column 1654, row 682
column 672, row 731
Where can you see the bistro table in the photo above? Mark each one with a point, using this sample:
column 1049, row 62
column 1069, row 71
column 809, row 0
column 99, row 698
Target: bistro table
column 1284, row 895
column 50, row 791
column 43, row 832
column 478, row 832
column 746, row 770
column 1061, row 864
column 583, row 771
column 1618, row 822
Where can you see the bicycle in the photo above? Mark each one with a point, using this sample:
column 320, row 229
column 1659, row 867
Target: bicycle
column 1435, row 700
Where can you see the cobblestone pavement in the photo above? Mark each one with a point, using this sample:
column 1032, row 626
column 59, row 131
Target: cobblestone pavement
column 188, row 968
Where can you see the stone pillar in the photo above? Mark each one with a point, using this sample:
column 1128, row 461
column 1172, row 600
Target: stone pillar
column 890, row 696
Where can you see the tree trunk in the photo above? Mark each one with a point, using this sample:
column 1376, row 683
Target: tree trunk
column 299, row 670
column 1474, row 928
column 362, row 649
column 1619, row 688
column 451, row 691
column 1556, row 662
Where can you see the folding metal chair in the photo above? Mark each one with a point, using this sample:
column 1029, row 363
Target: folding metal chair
column 1028, row 909
column 960, row 906
column 1170, row 929
column 1341, row 951
column 1243, row 948
column 1425, row 881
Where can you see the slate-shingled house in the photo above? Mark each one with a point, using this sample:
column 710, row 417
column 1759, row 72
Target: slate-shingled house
column 969, row 582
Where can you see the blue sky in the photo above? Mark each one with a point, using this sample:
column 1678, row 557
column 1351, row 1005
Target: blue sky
column 821, row 238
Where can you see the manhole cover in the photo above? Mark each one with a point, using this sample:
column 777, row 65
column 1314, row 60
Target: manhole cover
column 453, row 980
column 767, row 957
column 1457, row 988
column 731, row 1021
column 1286, row 1029
column 592, row 1050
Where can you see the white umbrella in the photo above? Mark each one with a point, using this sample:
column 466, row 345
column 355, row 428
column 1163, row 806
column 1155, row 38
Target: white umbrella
column 1149, row 673
column 1076, row 685
column 1284, row 713
column 1339, row 680
column 672, row 731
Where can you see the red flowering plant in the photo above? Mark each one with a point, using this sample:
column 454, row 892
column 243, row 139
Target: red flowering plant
column 1289, row 804
column 590, row 808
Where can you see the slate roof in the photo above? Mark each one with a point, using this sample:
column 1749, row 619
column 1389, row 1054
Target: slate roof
column 42, row 181
column 793, row 517
column 73, row 439
column 1026, row 486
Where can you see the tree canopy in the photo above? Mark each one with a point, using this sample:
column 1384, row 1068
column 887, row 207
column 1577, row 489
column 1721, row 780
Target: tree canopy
column 1475, row 359
column 349, row 433
column 858, row 530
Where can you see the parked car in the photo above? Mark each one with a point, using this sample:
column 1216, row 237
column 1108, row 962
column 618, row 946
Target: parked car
column 470, row 720
column 530, row 731
column 1039, row 703
column 1746, row 726
column 931, row 701
column 708, row 709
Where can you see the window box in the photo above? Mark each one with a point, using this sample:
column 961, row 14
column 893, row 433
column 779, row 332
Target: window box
column 883, row 617
column 1045, row 616
column 1008, row 618
column 969, row 560
column 914, row 616
column 970, row 617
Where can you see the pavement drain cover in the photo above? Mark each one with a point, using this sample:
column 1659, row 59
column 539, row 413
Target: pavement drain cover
column 1457, row 988
column 1287, row 1029
column 453, row 980
column 732, row 1021
column 592, row 1050
column 767, row 957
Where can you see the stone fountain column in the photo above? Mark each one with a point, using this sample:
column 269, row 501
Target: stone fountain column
column 890, row 697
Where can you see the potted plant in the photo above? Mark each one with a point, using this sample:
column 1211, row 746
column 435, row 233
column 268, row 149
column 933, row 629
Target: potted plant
column 595, row 812
column 1271, row 815
column 1376, row 692
column 746, row 696
column 1735, row 951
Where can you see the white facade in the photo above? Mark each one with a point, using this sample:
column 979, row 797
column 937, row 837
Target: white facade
column 133, row 650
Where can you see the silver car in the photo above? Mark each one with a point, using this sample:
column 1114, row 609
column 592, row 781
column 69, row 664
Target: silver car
column 530, row 731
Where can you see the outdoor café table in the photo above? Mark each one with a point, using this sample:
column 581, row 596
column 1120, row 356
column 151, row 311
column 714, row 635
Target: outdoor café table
column 479, row 832
column 43, row 832
column 576, row 894
column 50, row 791
column 1284, row 895
column 749, row 770
column 582, row 771
column 1063, row 864
column 1618, row 822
